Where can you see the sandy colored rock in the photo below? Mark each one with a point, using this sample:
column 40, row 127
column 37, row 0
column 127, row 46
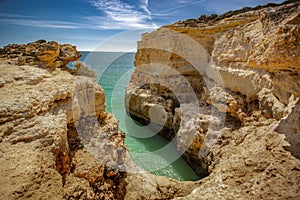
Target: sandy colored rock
column 45, row 137
column 290, row 127
column 240, row 74
column 40, row 53
column 58, row 142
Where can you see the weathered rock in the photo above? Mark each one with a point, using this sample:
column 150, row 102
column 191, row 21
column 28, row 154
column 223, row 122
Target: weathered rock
column 56, row 144
column 290, row 127
column 250, row 163
column 57, row 141
column 41, row 53
column 270, row 105
column 237, row 73
column 47, row 140
column 144, row 185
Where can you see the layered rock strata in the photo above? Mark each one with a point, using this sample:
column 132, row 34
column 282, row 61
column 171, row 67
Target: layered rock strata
column 228, row 92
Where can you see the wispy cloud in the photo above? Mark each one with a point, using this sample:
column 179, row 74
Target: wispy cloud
column 102, row 23
column 123, row 15
column 118, row 17
column 113, row 15
column 26, row 20
column 182, row 3
column 42, row 23
column 144, row 6
column 8, row 15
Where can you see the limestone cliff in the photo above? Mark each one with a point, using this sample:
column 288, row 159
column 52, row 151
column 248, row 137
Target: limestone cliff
column 227, row 91
column 56, row 139
column 50, row 121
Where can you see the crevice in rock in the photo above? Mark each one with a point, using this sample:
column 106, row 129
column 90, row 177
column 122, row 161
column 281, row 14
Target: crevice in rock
column 207, row 114
column 74, row 144
column 66, row 152
column 111, row 186
column 201, row 170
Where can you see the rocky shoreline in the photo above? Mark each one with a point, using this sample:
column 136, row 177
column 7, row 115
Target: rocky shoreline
column 57, row 141
column 43, row 152
column 227, row 91
column 215, row 84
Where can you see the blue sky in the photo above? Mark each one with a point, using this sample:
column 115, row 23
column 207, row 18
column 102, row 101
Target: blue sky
column 103, row 25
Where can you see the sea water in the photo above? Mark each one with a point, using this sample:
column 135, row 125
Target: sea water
column 149, row 150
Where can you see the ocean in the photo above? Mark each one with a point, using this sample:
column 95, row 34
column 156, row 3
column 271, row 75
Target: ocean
column 114, row 71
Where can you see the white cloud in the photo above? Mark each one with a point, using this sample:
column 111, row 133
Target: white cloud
column 122, row 15
column 26, row 20
column 144, row 6
column 116, row 15
column 42, row 23
column 99, row 22
column 117, row 22
column 8, row 15
column 183, row 1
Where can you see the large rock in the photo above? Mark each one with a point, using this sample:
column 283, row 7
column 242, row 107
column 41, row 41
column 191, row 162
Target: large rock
column 220, row 86
column 52, row 126
column 56, row 144
column 250, row 163
column 41, row 53
column 57, row 141
column 290, row 127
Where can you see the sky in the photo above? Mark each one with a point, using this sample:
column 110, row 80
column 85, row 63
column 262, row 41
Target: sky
column 101, row 25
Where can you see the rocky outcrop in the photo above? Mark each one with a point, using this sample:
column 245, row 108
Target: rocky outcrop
column 221, row 89
column 56, row 139
column 233, row 115
column 290, row 127
column 40, row 53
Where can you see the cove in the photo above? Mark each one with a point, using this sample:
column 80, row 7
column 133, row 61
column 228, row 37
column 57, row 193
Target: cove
column 150, row 153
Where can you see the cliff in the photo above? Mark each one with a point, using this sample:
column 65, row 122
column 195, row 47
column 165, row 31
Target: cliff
column 57, row 141
column 49, row 123
column 227, row 93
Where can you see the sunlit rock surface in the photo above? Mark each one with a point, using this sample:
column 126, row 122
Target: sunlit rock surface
column 50, row 121
column 226, row 89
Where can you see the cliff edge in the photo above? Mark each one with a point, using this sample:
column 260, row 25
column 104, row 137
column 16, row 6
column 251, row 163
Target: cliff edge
column 226, row 91
column 50, row 119
column 57, row 141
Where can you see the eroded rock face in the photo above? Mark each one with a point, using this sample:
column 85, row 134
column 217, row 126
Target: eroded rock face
column 55, row 144
column 221, row 88
column 52, row 126
column 57, row 141
column 41, row 53
column 290, row 127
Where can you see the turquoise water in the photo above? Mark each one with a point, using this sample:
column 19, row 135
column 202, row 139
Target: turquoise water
column 154, row 153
